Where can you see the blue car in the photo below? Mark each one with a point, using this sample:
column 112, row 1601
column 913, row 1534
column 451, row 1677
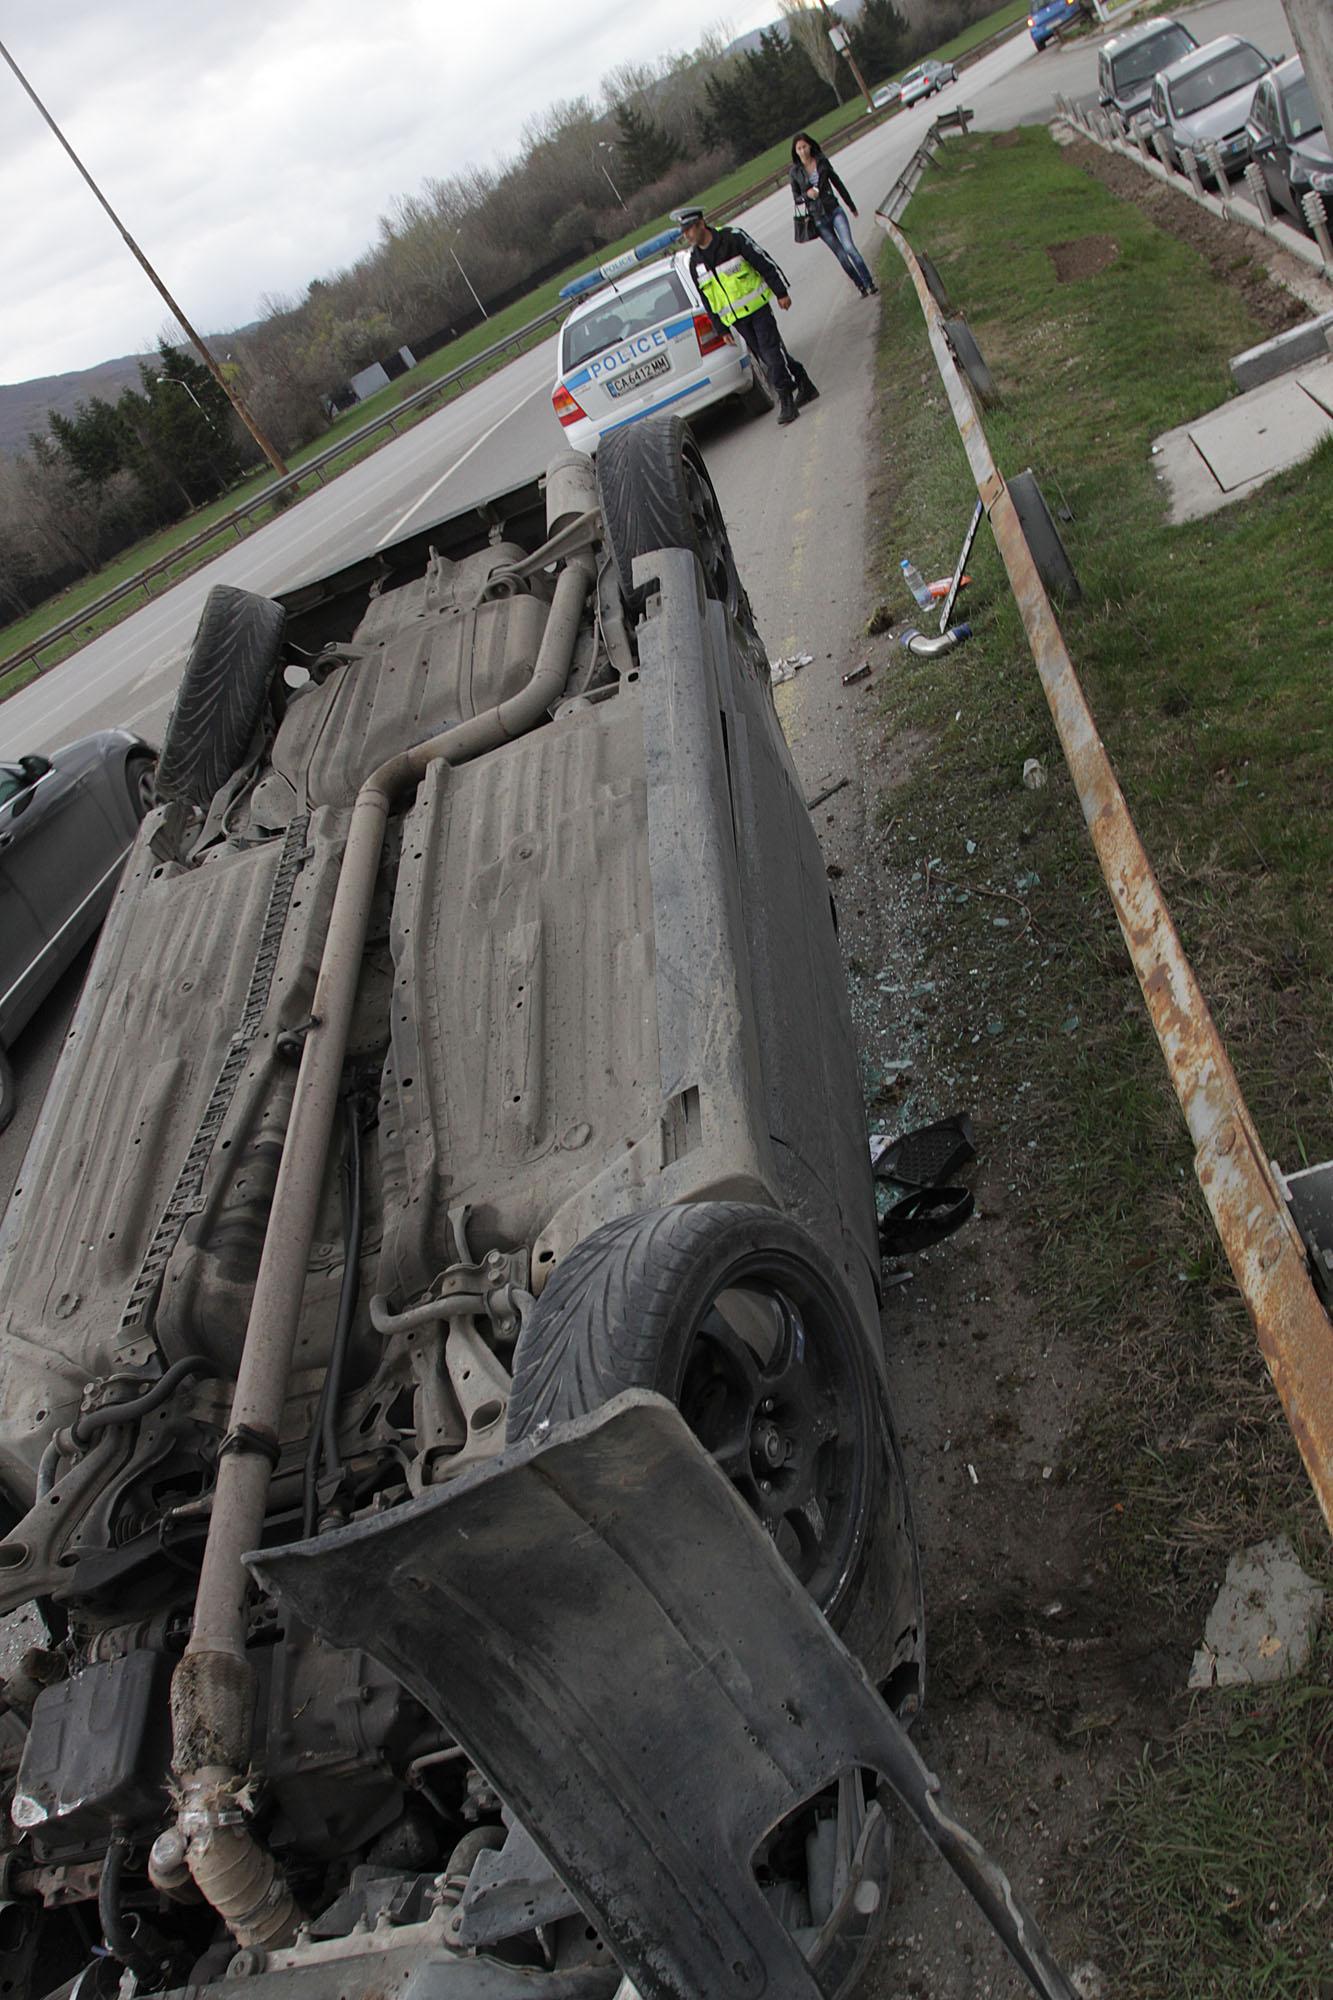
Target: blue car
column 1052, row 17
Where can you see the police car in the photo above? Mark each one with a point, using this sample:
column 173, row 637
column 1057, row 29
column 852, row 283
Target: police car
column 640, row 339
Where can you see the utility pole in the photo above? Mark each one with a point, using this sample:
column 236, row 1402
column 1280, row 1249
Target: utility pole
column 1311, row 24
column 200, row 346
column 842, row 42
column 463, row 274
column 605, row 146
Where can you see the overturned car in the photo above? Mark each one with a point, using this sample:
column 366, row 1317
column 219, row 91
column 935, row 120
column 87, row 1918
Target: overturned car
column 466, row 1051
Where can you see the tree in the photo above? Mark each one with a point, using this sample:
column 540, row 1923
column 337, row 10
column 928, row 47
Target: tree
column 807, row 25
column 647, row 153
column 880, row 39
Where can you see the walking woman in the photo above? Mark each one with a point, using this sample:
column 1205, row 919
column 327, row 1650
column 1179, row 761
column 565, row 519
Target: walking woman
column 816, row 188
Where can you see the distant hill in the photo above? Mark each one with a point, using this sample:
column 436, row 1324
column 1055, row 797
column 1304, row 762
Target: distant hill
column 24, row 405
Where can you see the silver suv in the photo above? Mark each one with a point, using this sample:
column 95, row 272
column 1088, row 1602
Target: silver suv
column 1129, row 62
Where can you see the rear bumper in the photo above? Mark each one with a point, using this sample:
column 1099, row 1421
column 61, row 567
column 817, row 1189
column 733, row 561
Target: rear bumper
column 730, row 373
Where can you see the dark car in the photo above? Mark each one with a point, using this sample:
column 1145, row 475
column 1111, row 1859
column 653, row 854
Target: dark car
column 66, row 824
column 1129, row 62
column 1288, row 140
column 1204, row 100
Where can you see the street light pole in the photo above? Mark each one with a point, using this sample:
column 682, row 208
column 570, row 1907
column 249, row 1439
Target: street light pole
column 605, row 146
column 468, row 282
column 842, row 42
column 200, row 346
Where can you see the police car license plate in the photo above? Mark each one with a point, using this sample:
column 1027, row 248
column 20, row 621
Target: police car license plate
column 634, row 377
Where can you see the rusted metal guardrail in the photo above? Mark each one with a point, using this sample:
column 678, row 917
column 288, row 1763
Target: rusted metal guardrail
column 1262, row 1243
column 275, row 492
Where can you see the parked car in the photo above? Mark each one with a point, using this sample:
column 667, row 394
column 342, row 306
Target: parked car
column 1052, row 17
column 66, row 824
column 1129, row 62
column 927, row 78
column 1288, row 140
column 468, row 1043
column 1204, row 98
column 645, row 343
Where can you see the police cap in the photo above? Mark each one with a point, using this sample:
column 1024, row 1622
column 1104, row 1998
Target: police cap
column 685, row 216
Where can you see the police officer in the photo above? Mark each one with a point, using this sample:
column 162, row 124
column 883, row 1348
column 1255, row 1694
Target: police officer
column 737, row 280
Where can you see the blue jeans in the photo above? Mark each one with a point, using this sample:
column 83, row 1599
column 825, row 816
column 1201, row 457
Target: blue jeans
column 836, row 231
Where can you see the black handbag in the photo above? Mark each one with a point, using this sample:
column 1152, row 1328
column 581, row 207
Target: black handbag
column 805, row 228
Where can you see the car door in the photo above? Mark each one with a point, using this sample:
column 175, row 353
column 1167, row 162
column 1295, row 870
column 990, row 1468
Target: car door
column 58, row 851
column 1266, row 140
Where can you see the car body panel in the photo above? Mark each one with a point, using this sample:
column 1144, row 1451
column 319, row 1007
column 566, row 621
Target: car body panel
column 633, row 350
column 63, row 838
column 1051, row 18
column 927, row 78
column 1287, row 140
column 1184, row 122
column 1128, row 63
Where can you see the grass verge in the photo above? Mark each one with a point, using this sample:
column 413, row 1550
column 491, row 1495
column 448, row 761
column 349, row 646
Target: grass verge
column 28, row 630
column 1198, row 648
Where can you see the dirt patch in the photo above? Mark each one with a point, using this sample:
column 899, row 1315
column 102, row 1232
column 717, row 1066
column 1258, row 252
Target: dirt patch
column 1003, row 139
column 1235, row 254
column 1083, row 258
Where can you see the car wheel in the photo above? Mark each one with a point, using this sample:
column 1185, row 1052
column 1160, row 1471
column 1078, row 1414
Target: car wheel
column 758, row 398
column 9, row 1096
column 223, row 693
column 141, row 777
column 655, row 493
column 735, row 1313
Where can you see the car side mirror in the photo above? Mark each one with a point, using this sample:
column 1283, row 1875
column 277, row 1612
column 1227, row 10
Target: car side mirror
column 1262, row 145
column 1105, row 103
column 34, row 768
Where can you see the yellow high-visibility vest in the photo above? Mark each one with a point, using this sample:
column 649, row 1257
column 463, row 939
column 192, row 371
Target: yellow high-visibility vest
column 734, row 290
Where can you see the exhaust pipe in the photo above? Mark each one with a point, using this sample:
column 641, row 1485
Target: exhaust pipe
column 927, row 648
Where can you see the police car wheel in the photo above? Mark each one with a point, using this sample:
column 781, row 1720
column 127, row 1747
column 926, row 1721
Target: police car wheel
column 655, row 493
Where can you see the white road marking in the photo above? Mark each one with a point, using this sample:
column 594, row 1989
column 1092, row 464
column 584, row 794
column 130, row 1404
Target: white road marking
column 476, row 445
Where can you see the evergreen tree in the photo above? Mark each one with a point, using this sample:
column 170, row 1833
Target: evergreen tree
column 646, row 151
column 880, row 39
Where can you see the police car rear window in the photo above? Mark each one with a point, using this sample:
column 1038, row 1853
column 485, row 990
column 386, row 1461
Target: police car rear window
column 622, row 314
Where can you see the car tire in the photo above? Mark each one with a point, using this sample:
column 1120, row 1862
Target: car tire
column 223, row 694
column 140, row 777
column 1043, row 538
column 638, row 1305
column 9, row 1096
column 758, row 399
column 655, row 493
column 969, row 358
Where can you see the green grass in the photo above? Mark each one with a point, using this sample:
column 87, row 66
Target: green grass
column 1198, row 647
column 1217, row 1853
column 28, row 630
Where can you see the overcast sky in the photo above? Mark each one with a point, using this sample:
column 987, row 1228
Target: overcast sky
column 250, row 145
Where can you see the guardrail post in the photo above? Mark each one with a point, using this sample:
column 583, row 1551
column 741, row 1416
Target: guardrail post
column 1191, row 166
column 1316, row 214
column 1258, row 186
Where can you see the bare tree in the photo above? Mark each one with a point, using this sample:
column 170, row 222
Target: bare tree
column 808, row 25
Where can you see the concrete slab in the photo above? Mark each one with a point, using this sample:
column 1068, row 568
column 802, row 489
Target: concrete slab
column 1226, row 455
column 1263, row 1623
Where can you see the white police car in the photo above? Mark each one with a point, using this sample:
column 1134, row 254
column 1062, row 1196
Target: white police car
column 640, row 339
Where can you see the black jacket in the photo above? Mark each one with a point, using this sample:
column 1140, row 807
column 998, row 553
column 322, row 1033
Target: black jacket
column 736, row 243
column 821, row 200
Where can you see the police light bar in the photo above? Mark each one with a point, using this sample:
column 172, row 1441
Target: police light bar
column 617, row 266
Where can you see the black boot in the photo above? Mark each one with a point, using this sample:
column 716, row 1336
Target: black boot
column 806, row 391
column 787, row 411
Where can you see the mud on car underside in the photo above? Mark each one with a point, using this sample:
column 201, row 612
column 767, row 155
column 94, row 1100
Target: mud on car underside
column 466, row 1048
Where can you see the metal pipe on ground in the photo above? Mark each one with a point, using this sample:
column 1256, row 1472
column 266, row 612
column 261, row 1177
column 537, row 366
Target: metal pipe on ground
column 211, row 1688
column 1251, row 1217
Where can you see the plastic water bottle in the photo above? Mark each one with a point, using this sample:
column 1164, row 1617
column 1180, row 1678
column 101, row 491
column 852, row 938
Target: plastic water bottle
column 916, row 583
